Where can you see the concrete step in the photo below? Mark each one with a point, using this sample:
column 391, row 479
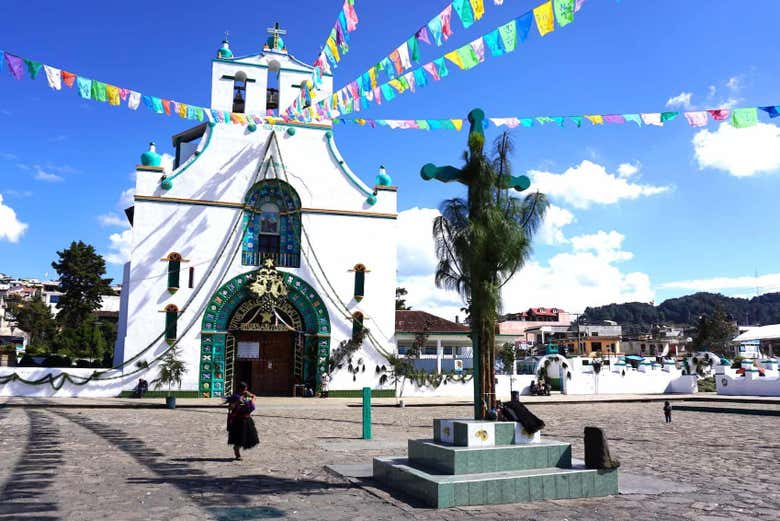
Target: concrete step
column 449, row 490
column 440, row 458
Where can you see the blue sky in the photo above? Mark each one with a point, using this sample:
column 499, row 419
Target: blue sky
column 688, row 209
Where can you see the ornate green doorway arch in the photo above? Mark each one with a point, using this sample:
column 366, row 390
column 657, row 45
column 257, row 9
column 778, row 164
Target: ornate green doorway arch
column 216, row 351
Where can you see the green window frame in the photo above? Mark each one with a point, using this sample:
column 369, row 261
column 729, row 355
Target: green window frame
column 174, row 271
column 360, row 281
column 171, row 323
column 357, row 324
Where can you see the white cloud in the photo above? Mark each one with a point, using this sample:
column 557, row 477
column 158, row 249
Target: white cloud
column 416, row 254
column 682, row 100
column 11, row 228
column 42, row 175
column 120, row 247
column 112, row 220
column 606, row 245
column 740, row 152
column 589, row 183
column 768, row 282
column 126, row 199
column 734, row 83
column 551, row 231
column 585, row 276
column 626, row 170
column 167, row 162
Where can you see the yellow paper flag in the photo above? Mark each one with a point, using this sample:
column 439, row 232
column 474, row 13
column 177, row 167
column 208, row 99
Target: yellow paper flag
column 458, row 123
column 596, row 119
column 545, row 20
column 479, row 8
column 181, row 110
column 331, row 43
column 112, row 93
column 454, row 57
column 397, row 85
column 372, row 76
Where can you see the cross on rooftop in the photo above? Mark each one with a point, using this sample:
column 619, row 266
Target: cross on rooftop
column 276, row 31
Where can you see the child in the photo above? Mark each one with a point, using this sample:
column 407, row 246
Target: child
column 668, row 412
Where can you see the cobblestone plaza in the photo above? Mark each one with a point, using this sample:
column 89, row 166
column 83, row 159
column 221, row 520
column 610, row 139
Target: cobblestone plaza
column 93, row 460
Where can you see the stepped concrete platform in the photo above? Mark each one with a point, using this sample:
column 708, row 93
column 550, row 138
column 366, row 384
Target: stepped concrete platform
column 481, row 463
column 490, row 488
column 443, row 459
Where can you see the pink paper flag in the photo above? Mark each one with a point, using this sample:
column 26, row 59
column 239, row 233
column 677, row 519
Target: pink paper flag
column 431, row 68
column 509, row 122
column 697, row 118
column 720, row 114
column 614, row 118
column 351, row 15
column 479, row 48
column 409, row 77
column 578, row 5
column 446, row 18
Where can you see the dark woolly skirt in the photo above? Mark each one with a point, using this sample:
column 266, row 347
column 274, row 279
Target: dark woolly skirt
column 242, row 432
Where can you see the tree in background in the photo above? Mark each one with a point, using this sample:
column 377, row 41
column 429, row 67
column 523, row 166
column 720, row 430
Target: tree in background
column 400, row 301
column 482, row 241
column 508, row 354
column 81, row 272
column 714, row 332
column 34, row 317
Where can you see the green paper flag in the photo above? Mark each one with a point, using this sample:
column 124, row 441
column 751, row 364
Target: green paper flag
column 468, row 56
column 33, row 67
column 668, row 116
column 414, row 49
column 465, row 12
column 742, row 118
column 564, row 12
column 99, row 91
column 508, row 34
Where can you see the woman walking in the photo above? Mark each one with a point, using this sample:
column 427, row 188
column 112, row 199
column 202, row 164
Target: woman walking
column 242, row 433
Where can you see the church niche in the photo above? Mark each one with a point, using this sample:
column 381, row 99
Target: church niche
column 272, row 225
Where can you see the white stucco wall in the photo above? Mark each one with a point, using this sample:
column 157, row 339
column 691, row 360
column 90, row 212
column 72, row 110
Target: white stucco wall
column 654, row 381
column 465, row 391
column 95, row 388
column 751, row 384
column 229, row 163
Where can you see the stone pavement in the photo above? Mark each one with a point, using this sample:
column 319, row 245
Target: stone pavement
column 91, row 463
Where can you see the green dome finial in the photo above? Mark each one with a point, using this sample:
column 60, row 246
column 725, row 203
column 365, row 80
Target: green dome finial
column 151, row 157
column 224, row 51
column 275, row 42
column 383, row 178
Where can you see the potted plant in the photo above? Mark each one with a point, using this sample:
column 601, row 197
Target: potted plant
column 171, row 372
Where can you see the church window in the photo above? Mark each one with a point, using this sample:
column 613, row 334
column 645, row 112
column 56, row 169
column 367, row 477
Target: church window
column 192, row 278
column 360, row 281
column 272, row 225
column 239, row 92
column 357, row 324
column 174, row 271
column 272, row 92
column 171, row 319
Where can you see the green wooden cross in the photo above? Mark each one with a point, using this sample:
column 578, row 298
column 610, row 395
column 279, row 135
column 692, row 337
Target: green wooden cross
column 484, row 383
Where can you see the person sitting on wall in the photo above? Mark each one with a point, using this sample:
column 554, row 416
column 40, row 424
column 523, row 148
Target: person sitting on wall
column 517, row 412
column 141, row 388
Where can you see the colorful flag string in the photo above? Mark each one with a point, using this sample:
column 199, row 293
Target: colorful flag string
column 738, row 118
column 501, row 40
column 435, row 32
column 91, row 89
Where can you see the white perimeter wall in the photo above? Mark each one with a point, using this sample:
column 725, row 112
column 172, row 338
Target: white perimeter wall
column 654, row 381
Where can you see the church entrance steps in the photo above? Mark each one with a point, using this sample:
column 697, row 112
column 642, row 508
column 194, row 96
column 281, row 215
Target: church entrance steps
column 488, row 488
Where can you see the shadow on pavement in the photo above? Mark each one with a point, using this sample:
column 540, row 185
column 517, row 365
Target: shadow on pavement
column 226, row 498
column 26, row 493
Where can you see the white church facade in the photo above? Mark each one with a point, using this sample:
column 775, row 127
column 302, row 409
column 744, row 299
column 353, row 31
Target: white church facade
column 261, row 251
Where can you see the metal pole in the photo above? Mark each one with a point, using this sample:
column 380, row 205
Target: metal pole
column 366, row 413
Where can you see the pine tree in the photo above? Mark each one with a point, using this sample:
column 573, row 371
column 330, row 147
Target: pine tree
column 81, row 272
